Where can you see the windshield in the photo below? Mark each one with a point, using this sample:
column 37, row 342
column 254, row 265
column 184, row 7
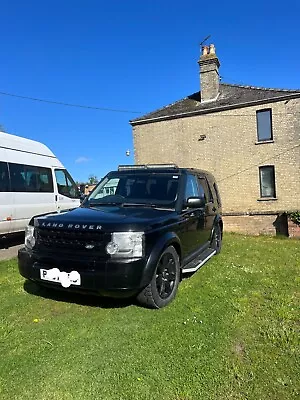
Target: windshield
column 137, row 189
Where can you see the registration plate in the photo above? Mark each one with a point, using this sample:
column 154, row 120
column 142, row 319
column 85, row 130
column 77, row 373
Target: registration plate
column 66, row 279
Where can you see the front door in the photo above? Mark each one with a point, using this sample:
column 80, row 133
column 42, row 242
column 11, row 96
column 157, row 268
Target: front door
column 192, row 227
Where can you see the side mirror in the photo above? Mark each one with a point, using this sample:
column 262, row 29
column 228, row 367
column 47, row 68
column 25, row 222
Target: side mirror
column 195, row 202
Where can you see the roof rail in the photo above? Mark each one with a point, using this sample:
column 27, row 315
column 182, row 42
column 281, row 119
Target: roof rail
column 147, row 166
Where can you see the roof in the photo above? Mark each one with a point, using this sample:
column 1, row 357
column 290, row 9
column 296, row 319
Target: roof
column 230, row 96
column 14, row 142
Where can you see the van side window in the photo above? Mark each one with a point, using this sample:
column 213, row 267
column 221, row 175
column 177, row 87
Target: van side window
column 45, row 180
column 65, row 184
column 17, row 177
column 28, row 178
column 4, row 179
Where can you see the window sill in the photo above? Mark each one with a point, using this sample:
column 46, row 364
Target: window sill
column 265, row 141
column 267, row 199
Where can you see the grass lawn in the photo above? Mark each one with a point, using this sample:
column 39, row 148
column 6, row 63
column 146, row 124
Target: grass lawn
column 231, row 333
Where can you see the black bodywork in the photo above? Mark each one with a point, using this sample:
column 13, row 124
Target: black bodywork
column 77, row 239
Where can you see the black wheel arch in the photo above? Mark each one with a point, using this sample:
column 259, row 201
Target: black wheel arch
column 218, row 221
column 166, row 240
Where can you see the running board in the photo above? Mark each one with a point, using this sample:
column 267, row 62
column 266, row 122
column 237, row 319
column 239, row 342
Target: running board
column 194, row 265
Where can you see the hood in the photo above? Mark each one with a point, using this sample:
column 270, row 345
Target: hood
column 107, row 219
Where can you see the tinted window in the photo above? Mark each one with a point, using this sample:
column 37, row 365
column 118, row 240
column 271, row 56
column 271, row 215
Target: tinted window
column 267, row 181
column 264, row 125
column 17, row 177
column 141, row 188
column 204, row 184
column 65, row 184
column 191, row 189
column 29, row 178
column 45, row 181
column 218, row 195
column 4, row 179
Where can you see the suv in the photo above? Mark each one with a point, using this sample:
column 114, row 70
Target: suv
column 136, row 234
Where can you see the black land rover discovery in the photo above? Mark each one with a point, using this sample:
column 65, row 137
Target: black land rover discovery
column 141, row 228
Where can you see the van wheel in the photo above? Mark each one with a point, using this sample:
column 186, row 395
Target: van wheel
column 216, row 241
column 163, row 286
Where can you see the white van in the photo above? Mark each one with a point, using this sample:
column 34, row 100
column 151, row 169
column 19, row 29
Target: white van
column 32, row 182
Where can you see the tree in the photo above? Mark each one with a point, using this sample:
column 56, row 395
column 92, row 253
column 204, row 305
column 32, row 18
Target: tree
column 93, row 180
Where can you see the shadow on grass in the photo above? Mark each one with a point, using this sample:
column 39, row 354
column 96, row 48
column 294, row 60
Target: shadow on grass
column 77, row 298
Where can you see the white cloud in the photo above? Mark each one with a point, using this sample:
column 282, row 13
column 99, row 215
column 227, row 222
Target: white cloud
column 80, row 160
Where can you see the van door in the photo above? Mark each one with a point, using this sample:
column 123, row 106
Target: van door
column 6, row 208
column 67, row 193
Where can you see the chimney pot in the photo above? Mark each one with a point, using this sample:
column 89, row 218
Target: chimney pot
column 212, row 49
column 205, row 50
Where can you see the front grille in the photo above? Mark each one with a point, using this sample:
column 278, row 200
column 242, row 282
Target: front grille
column 75, row 241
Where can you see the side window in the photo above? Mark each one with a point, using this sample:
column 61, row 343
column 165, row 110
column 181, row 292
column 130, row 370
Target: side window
column 191, row 189
column 29, row 178
column 218, row 195
column 207, row 191
column 45, row 180
column 4, row 178
column 17, row 177
column 65, row 184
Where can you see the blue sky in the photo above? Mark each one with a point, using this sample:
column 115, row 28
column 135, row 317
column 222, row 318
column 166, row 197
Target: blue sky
column 129, row 55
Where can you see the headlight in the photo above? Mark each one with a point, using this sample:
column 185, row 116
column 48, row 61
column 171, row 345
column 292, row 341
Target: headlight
column 29, row 237
column 126, row 245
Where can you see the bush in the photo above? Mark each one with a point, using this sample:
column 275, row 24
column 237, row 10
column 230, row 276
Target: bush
column 295, row 217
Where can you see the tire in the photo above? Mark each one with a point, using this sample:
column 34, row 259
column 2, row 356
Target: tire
column 216, row 241
column 164, row 283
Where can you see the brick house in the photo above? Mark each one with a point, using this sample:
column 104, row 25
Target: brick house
column 248, row 137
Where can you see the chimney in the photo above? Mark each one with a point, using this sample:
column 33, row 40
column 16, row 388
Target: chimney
column 209, row 74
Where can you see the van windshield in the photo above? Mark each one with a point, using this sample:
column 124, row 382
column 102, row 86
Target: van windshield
column 66, row 185
column 137, row 189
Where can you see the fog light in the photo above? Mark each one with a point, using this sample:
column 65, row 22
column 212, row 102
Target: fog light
column 112, row 248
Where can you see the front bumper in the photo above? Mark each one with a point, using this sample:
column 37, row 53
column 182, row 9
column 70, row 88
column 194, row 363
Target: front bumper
column 120, row 278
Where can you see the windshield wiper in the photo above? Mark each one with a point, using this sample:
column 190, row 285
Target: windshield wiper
column 150, row 205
